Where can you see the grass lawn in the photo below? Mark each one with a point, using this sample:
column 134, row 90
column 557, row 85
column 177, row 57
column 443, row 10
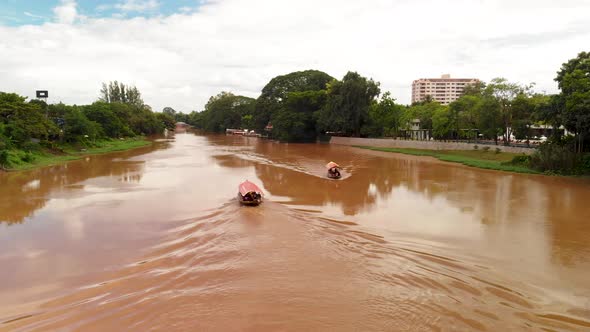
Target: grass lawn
column 474, row 158
column 19, row 160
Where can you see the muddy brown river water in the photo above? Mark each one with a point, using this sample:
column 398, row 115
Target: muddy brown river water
column 153, row 239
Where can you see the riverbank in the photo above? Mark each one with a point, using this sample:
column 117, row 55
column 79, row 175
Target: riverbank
column 485, row 159
column 19, row 160
column 425, row 145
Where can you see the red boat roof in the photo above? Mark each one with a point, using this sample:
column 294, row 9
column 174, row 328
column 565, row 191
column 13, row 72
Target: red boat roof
column 247, row 186
column 332, row 165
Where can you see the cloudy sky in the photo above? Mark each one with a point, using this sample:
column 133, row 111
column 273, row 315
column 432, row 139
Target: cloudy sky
column 180, row 52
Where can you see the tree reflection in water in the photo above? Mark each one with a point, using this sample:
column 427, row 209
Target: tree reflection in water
column 25, row 192
column 504, row 200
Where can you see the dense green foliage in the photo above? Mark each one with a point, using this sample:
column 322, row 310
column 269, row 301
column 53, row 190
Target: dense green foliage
column 384, row 119
column 21, row 121
column 347, row 105
column 77, row 125
column 424, row 112
column 558, row 158
column 275, row 93
column 303, row 104
column 27, row 127
column 571, row 108
column 574, row 81
column 115, row 92
column 226, row 110
column 294, row 121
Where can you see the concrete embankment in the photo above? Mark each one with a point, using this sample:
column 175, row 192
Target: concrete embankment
column 426, row 145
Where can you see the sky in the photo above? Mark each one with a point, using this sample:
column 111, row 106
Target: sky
column 180, row 52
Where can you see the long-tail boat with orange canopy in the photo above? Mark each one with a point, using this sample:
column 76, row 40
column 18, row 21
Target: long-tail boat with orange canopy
column 249, row 193
column 333, row 170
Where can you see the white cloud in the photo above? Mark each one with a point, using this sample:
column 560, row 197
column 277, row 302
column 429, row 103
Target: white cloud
column 32, row 15
column 8, row 18
column 66, row 12
column 138, row 5
column 103, row 7
column 181, row 60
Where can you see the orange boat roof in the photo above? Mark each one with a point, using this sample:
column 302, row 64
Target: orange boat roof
column 247, row 186
column 331, row 165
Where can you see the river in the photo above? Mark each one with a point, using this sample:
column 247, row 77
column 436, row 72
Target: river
column 153, row 239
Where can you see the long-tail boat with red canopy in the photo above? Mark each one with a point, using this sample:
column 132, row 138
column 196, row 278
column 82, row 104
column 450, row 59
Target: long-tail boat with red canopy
column 333, row 170
column 249, row 193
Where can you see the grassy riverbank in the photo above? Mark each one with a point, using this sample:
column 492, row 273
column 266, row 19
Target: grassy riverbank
column 474, row 158
column 18, row 160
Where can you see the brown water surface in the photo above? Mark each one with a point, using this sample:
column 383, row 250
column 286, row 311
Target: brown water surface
column 153, row 239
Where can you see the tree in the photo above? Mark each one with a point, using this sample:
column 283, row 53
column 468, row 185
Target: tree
column 181, row 117
column 112, row 125
column 275, row 92
column 525, row 109
column 550, row 110
column 195, row 119
column 475, row 89
column 169, row 110
column 574, row 81
column 8, row 103
column 423, row 111
column 295, row 122
column 5, row 143
column 225, row 110
column 489, row 117
column 23, row 121
column 464, row 114
column 384, row 118
column 505, row 92
column 247, row 121
column 77, row 127
column 167, row 120
column 442, row 124
column 116, row 92
column 347, row 104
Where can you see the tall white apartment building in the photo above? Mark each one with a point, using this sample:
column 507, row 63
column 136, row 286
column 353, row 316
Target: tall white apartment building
column 445, row 89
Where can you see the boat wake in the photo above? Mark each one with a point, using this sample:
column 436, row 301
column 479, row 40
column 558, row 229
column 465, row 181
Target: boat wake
column 275, row 268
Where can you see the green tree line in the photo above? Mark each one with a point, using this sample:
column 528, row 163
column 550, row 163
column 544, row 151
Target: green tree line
column 304, row 105
column 299, row 106
column 33, row 125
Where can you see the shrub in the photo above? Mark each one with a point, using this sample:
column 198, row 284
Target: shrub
column 48, row 144
column 30, row 146
column 28, row 157
column 558, row 158
column 522, row 160
column 475, row 147
column 4, row 162
column 5, row 142
column 584, row 165
column 486, row 148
